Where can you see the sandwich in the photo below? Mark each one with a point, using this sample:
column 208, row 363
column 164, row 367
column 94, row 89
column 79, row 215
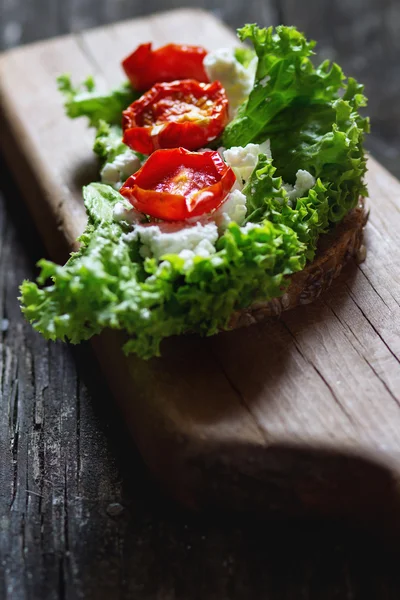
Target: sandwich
column 231, row 187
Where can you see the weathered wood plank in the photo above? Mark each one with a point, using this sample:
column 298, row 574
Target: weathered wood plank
column 59, row 540
column 322, row 388
column 140, row 553
column 57, row 471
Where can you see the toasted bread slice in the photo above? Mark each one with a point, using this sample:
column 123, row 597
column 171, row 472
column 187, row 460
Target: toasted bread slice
column 335, row 248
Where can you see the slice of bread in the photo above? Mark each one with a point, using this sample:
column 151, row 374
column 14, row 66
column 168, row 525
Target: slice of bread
column 335, row 248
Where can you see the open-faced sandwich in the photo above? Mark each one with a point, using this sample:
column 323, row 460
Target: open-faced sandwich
column 231, row 189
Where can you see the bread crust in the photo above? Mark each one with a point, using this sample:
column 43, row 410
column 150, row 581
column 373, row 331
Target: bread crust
column 335, row 249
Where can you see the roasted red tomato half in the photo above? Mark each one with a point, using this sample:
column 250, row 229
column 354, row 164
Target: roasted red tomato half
column 184, row 114
column 174, row 185
column 145, row 67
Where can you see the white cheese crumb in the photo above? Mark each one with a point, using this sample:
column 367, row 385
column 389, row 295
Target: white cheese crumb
column 187, row 241
column 233, row 209
column 237, row 80
column 145, row 313
column 244, row 160
column 304, row 182
column 115, row 173
column 249, row 226
column 221, row 151
column 263, row 82
column 122, row 213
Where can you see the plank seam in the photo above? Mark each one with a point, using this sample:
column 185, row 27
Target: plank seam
column 376, row 291
column 84, row 47
column 242, row 400
column 372, row 286
column 372, row 325
column 347, row 328
column 326, row 383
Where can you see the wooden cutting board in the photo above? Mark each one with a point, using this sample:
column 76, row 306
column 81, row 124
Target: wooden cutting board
column 298, row 415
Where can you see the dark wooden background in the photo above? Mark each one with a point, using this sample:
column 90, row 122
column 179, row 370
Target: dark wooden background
column 78, row 517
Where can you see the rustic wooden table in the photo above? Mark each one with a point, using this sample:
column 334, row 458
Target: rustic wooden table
column 79, row 519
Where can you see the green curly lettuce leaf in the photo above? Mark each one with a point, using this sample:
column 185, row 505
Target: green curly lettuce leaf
column 116, row 158
column 268, row 199
column 99, row 202
column 108, row 141
column 244, row 55
column 108, row 144
column 327, row 141
column 311, row 116
column 85, row 101
column 285, row 75
column 107, row 285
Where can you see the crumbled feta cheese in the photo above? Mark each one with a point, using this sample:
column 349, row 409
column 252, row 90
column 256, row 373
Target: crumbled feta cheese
column 263, row 82
column 145, row 313
column 116, row 172
column 122, row 213
column 237, row 80
column 233, row 209
column 249, row 226
column 221, row 151
column 244, row 160
column 173, row 238
column 304, row 182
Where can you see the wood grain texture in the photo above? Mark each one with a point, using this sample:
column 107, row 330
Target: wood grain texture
column 298, row 415
column 79, row 519
column 63, row 544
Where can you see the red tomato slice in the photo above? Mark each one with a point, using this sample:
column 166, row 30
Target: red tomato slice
column 184, row 114
column 145, row 67
column 176, row 184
